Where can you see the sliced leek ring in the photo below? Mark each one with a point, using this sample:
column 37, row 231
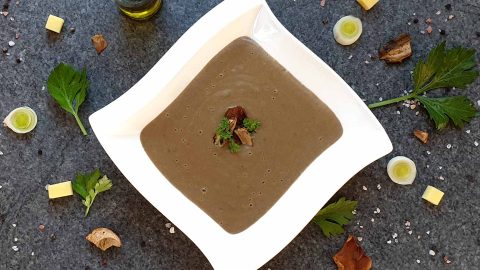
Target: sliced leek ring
column 402, row 170
column 21, row 120
column 347, row 30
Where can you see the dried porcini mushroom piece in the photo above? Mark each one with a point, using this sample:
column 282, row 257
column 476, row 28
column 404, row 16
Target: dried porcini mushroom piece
column 237, row 113
column 352, row 256
column 104, row 238
column 99, row 43
column 232, row 123
column 244, row 136
column 421, row 135
column 396, row 50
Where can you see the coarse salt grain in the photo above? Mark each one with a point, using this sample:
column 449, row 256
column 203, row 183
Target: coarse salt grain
column 359, row 239
column 350, row 57
column 440, row 167
column 428, row 152
column 11, row 43
column 373, row 220
column 378, row 210
column 379, row 186
column 449, row 146
column 418, row 261
column 396, row 240
column 451, row 17
column 354, row 212
column 389, row 241
column 366, row 62
column 410, row 232
column 417, row 113
column 15, row 248
column 15, row 239
column 407, row 223
column 364, row 188
column 468, row 131
column 172, row 230
column 394, row 235
column 33, row 253
column 438, row 12
column 398, row 112
column 361, row 227
column 428, row 232
column 431, row 252
column 441, row 177
column 380, row 98
column 14, row 225
column 475, row 143
column 1, row 153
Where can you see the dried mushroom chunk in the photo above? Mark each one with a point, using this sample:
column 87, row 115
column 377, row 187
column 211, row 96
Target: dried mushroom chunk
column 237, row 113
column 396, row 50
column 99, row 43
column 104, row 238
column 421, row 135
column 352, row 256
column 244, row 136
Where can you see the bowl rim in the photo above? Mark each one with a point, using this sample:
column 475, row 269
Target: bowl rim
column 118, row 126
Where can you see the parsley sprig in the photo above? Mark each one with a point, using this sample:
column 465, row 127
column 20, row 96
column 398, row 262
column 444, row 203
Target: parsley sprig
column 443, row 68
column 251, row 124
column 69, row 89
column 89, row 185
column 333, row 217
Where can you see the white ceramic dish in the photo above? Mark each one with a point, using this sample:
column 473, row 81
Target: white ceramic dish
column 119, row 124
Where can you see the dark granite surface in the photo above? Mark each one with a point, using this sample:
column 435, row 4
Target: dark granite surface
column 451, row 229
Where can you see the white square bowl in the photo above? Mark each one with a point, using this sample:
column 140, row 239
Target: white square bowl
column 118, row 126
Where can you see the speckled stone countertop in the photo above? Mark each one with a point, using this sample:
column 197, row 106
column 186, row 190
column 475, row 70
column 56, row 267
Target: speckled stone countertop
column 56, row 150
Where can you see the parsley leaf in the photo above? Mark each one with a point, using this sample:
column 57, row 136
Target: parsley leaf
column 445, row 68
column 89, row 185
column 223, row 130
column 332, row 218
column 69, row 89
column 458, row 108
column 233, row 146
column 251, row 124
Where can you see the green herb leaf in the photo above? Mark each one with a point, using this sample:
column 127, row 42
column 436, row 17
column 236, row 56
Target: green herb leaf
column 69, row 89
column 445, row 68
column 89, row 185
column 223, row 130
column 251, row 124
column 233, row 146
column 332, row 218
column 458, row 109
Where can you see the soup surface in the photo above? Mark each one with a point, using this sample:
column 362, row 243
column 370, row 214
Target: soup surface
column 236, row 189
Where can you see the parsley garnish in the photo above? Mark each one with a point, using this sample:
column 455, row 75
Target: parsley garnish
column 251, row 124
column 223, row 130
column 89, row 185
column 332, row 218
column 69, row 88
column 233, row 146
column 443, row 68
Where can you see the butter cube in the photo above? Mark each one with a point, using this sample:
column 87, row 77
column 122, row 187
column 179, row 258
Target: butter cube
column 54, row 24
column 60, row 190
column 367, row 4
column 433, row 195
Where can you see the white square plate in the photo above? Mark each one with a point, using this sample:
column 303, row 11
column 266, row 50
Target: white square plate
column 119, row 124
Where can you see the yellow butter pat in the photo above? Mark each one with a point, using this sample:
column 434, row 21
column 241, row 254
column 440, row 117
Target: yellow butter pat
column 60, row 190
column 433, row 195
column 54, row 24
column 367, row 4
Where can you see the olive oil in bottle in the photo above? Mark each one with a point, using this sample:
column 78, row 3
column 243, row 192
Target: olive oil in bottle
column 139, row 9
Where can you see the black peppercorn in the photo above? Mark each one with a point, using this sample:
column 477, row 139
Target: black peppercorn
column 442, row 32
column 415, row 20
column 448, row 7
